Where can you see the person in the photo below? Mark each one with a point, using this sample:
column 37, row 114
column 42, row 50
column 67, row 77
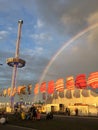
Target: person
column 67, row 111
column 28, row 115
column 23, row 115
column 76, row 111
column 49, row 116
column 33, row 112
column 38, row 115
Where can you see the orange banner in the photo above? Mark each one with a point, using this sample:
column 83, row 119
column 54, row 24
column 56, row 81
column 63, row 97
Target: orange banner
column 59, row 85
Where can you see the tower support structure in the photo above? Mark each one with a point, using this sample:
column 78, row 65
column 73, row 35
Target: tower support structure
column 15, row 62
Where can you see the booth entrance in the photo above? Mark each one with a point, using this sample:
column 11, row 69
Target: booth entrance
column 61, row 107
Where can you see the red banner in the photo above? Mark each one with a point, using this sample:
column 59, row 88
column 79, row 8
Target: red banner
column 50, row 89
column 80, row 81
column 43, row 87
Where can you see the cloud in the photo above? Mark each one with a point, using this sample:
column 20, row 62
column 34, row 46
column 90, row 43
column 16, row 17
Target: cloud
column 35, row 64
column 78, row 57
column 41, row 38
column 33, row 52
column 93, row 18
column 39, row 24
column 92, row 37
column 67, row 17
column 3, row 34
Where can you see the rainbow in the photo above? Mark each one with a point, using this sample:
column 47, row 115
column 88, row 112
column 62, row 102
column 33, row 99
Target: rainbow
column 65, row 46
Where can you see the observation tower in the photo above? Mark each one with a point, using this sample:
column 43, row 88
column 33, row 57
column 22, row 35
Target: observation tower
column 15, row 62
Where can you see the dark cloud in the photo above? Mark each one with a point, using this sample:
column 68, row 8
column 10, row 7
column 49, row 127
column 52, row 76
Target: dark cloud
column 66, row 17
column 80, row 57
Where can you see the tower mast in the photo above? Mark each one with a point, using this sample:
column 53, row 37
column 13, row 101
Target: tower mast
column 15, row 62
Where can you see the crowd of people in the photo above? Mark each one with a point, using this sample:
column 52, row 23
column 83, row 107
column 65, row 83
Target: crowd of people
column 33, row 113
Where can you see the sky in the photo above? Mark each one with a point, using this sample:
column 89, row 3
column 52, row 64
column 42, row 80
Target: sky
column 59, row 39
